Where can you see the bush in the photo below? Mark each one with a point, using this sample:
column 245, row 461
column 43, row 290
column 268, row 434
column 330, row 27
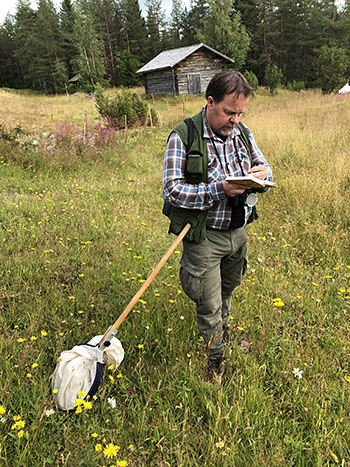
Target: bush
column 296, row 86
column 273, row 78
column 125, row 110
column 252, row 79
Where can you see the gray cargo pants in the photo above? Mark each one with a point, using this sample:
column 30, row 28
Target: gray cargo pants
column 209, row 273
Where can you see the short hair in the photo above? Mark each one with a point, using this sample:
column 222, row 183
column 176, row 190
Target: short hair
column 228, row 82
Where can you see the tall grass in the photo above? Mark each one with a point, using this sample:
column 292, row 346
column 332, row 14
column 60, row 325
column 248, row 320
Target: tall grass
column 79, row 234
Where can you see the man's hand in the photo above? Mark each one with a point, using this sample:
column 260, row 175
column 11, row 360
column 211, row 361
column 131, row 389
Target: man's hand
column 233, row 189
column 259, row 171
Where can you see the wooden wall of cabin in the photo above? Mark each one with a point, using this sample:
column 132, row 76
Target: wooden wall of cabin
column 202, row 63
column 159, row 82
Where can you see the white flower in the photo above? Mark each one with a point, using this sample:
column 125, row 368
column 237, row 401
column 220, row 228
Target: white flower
column 49, row 412
column 112, row 401
column 2, row 420
column 220, row 444
column 298, row 373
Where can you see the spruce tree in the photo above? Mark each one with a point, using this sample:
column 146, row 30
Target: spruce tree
column 224, row 31
column 134, row 32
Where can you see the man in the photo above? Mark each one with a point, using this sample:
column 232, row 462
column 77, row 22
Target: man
column 215, row 250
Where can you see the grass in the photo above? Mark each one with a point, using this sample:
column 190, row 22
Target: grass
column 81, row 229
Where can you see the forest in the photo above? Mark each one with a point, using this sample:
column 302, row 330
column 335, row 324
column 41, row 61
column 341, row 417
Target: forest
column 305, row 43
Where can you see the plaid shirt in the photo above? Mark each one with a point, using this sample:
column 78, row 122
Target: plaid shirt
column 223, row 161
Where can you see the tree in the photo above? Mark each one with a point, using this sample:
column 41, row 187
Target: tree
column 89, row 62
column 133, row 29
column 273, row 77
column 193, row 20
column 10, row 75
column 176, row 23
column 47, row 45
column 224, row 31
column 331, row 65
column 66, row 26
column 126, row 67
column 155, row 23
column 24, row 43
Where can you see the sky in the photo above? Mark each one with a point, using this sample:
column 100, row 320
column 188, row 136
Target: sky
column 10, row 6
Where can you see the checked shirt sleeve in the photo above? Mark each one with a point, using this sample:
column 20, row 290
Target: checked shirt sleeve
column 175, row 189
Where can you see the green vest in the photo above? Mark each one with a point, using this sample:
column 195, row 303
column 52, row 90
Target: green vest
column 196, row 171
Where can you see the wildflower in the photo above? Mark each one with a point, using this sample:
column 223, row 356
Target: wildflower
column 34, row 365
column 33, row 338
column 29, row 375
column 94, row 435
column 98, row 447
column 2, row 410
column 119, row 375
column 49, row 412
column 220, row 444
column 55, row 391
column 140, row 346
column 43, row 333
column 111, row 450
column 20, row 339
column 298, row 373
column 122, row 463
column 278, row 302
column 112, row 401
column 87, row 405
column 20, row 434
column 111, row 367
column 79, row 409
column 347, row 378
column 81, row 394
column 111, row 378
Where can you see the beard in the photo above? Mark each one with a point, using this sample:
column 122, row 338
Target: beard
column 225, row 130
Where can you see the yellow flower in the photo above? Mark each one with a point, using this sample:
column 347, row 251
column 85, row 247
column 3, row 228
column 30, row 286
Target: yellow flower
column 79, row 409
column 98, row 447
column 20, row 434
column 79, row 402
column 20, row 339
column 2, row 410
column 140, row 346
column 111, row 367
column 119, row 375
column 33, row 338
column 81, row 394
column 347, row 378
column 55, row 391
column 111, row 450
column 87, row 405
column 122, row 463
column 34, row 365
column 43, row 333
column 94, row 435
column 111, row 378
column 29, row 375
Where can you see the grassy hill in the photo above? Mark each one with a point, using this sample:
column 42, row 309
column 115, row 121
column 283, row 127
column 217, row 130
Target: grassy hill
column 81, row 229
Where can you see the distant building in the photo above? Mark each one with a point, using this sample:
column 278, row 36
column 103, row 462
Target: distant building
column 186, row 70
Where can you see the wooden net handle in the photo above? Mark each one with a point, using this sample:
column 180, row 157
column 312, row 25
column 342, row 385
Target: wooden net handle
column 145, row 285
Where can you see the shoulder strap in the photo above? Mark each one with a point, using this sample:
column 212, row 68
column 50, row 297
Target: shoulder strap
column 190, row 133
column 246, row 141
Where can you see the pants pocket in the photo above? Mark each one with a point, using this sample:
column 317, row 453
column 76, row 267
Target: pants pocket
column 192, row 283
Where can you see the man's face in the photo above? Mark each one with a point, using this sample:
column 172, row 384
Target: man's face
column 223, row 116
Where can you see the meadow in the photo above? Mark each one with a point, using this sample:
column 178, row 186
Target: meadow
column 82, row 228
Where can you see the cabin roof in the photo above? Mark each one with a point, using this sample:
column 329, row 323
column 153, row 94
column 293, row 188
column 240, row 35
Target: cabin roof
column 170, row 58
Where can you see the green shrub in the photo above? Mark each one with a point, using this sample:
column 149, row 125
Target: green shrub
column 296, row 86
column 252, row 79
column 125, row 110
